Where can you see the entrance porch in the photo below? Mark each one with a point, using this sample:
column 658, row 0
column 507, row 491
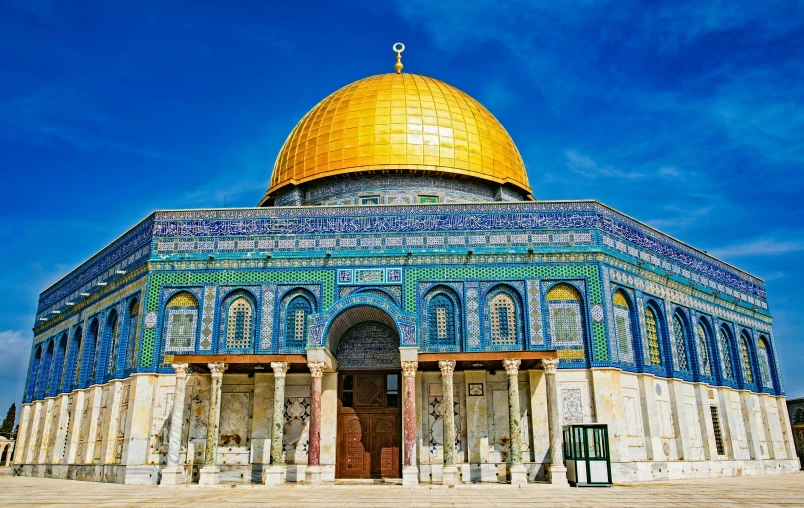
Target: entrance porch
column 502, row 429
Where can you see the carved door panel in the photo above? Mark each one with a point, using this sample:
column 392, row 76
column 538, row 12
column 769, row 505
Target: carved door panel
column 369, row 425
column 385, row 439
column 356, row 459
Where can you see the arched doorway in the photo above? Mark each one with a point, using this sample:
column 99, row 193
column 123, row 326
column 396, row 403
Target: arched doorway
column 366, row 345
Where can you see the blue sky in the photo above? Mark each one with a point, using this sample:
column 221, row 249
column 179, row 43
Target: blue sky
column 685, row 115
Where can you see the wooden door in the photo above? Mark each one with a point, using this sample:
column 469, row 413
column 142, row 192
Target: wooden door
column 369, row 425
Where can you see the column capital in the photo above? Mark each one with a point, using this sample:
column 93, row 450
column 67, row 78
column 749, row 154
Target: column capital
column 549, row 365
column 316, row 368
column 409, row 368
column 216, row 369
column 511, row 366
column 181, row 369
column 447, row 367
column 280, row 368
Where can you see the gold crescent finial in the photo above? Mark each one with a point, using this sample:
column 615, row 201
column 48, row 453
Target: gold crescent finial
column 399, row 48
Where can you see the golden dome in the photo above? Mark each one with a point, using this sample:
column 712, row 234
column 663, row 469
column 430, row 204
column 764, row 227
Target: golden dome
column 399, row 123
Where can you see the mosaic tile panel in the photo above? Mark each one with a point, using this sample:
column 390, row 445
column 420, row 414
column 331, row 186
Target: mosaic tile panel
column 208, row 318
column 267, row 322
column 534, row 313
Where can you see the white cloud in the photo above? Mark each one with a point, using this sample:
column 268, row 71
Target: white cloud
column 16, row 349
column 761, row 247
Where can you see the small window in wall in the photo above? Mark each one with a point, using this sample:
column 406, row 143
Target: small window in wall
column 392, row 390
column 428, row 199
column 348, row 390
column 718, row 433
column 370, row 200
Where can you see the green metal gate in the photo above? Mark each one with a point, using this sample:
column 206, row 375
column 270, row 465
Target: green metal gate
column 586, row 455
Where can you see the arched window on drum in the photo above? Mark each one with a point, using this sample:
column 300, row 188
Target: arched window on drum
column 764, row 363
column 565, row 317
column 132, row 342
column 441, row 325
column 725, row 353
column 702, row 343
column 745, row 359
column 181, row 322
column 623, row 329
column 680, row 341
column 504, row 323
column 240, row 323
column 113, row 325
column 296, row 315
column 652, row 332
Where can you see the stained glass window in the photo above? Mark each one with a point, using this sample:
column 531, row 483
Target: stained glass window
column 749, row 375
column 652, row 331
column 622, row 326
column 680, row 343
column 503, row 320
column 296, row 322
column 181, row 324
column 703, row 352
column 79, row 358
column 564, row 315
column 441, row 321
column 114, row 331
column 764, row 364
column 132, row 344
column 428, row 199
column 725, row 355
column 238, row 332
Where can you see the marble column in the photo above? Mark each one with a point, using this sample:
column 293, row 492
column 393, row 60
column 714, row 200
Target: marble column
column 173, row 474
column 410, row 472
column 210, row 472
column 449, row 471
column 557, row 471
column 519, row 475
column 313, row 475
column 274, row 474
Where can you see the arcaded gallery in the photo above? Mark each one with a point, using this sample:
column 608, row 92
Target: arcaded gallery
column 399, row 308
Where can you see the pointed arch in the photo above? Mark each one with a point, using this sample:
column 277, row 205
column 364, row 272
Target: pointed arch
column 113, row 334
column 95, row 332
column 181, row 322
column 702, row 339
column 565, row 316
column 765, row 373
column 77, row 349
column 726, row 353
column 442, row 327
column 33, row 373
column 624, row 330
column 654, row 332
column 238, row 328
column 745, row 359
column 133, row 334
column 504, row 310
column 59, row 360
column 680, row 341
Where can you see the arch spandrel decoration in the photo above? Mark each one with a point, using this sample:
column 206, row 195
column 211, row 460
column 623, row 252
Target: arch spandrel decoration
column 319, row 336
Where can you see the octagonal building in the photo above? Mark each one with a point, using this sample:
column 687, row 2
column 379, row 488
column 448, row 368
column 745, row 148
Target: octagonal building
column 399, row 307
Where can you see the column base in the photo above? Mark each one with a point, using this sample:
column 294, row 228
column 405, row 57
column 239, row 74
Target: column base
column 209, row 475
column 313, row 475
column 273, row 476
column 558, row 475
column 519, row 474
column 449, row 476
column 410, row 476
column 172, row 475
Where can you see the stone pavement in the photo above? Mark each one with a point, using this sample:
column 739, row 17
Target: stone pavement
column 765, row 491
